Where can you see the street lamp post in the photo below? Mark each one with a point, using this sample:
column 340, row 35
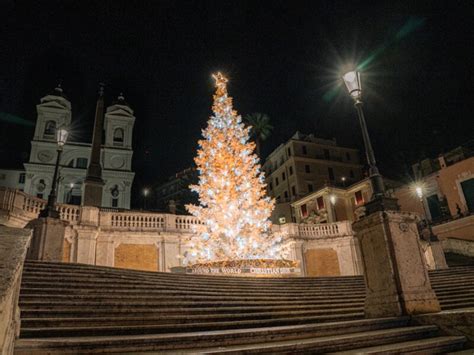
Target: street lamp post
column 352, row 82
column 332, row 199
column 49, row 210
column 146, row 191
column 419, row 193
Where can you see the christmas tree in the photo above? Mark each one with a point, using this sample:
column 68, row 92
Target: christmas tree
column 232, row 202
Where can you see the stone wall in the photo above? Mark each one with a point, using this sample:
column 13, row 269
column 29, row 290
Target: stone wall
column 461, row 228
column 14, row 243
column 458, row 246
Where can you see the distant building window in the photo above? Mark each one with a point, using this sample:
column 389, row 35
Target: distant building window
column 293, row 190
column 276, row 182
column 348, row 156
column 320, row 202
column 270, row 186
column 307, row 169
column 283, row 176
column 118, row 136
column 278, row 199
column 305, row 151
column 359, row 199
column 310, row 187
column 291, row 170
column 50, row 128
column 81, row 163
column 351, row 174
column 289, row 151
column 331, row 174
column 21, row 179
column 326, row 154
column 286, row 194
column 39, row 195
column 115, row 202
column 304, row 211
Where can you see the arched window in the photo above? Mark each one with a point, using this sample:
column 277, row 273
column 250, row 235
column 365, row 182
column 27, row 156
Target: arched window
column 118, row 136
column 50, row 128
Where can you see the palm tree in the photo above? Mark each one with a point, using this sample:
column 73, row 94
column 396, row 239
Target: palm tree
column 261, row 128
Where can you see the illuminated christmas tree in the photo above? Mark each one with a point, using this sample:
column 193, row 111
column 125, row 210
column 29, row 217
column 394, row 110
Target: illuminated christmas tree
column 233, row 203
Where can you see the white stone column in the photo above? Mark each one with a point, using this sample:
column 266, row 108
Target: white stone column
column 105, row 251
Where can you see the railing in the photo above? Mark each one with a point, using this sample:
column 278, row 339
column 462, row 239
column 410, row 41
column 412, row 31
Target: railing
column 137, row 220
column 26, row 208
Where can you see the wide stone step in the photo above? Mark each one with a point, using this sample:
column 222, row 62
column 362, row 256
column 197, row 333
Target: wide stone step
column 195, row 340
column 161, row 297
column 153, row 318
column 26, row 280
column 45, row 303
column 32, row 289
column 73, row 331
column 81, row 311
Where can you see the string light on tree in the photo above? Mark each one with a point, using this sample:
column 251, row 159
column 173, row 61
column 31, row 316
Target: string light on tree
column 233, row 205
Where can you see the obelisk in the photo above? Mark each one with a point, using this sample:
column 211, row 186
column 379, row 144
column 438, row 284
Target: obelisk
column 93, row 184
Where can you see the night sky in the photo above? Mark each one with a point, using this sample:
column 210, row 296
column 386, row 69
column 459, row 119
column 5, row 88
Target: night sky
column 283, row 59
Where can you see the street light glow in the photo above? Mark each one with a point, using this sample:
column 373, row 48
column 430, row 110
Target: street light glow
column 332, row 198
column 419, row 191
column 61, row 136
column 146, row 191
column 352, row 81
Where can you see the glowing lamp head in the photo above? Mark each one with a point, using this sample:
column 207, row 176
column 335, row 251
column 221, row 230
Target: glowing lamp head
column 146, row 191
column 419, row 191
column 61, row 136
column 71, row 185
column 352, row 81
column 343, row 179
column 332, row 198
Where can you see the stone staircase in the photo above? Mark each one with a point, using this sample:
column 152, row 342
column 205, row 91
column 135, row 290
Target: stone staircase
column 74, row 308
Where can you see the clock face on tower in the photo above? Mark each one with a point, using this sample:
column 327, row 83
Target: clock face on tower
column 45, row 155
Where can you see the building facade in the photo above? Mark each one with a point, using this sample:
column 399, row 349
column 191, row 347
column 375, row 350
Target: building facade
column 303, row 165
column 55, row 111
column 175, row 194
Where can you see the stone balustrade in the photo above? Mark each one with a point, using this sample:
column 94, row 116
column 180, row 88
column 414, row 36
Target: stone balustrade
column 21, row 208
column 14, row 243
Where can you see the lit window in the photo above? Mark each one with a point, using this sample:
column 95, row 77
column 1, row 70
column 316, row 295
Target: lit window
column 320, row 202
column 304, row 210
column 359, row 199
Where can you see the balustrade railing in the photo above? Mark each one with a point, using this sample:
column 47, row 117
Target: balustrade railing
column 28, row 207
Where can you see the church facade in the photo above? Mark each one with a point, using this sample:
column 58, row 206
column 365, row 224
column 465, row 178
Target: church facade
column 54, row 111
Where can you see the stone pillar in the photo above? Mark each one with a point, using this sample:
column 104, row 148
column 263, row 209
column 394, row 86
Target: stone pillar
column 87, row 233
column 47, row 243
column 434, row 255
column 105, row 251
column 395, row 274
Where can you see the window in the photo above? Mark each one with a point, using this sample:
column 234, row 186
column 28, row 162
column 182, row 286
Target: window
column 307, row 169
column 291, row 170
column 320, row 202
column 278, row 199
column 21, row 179
column 304, row 150
column 293, row 190
column 351, row 174
column 81, row 163
column 304, row 211
column 118, row 136
column 270, row 186
column 115, row 202
column 310, row 187
column 326, row 154
column 50, row 128
column 348, row 156
column 283, row 176
column 289, row 151
column 276, row 182
column 286, row 194
column 39, row 195
column 359, row 199
column 331, row 174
